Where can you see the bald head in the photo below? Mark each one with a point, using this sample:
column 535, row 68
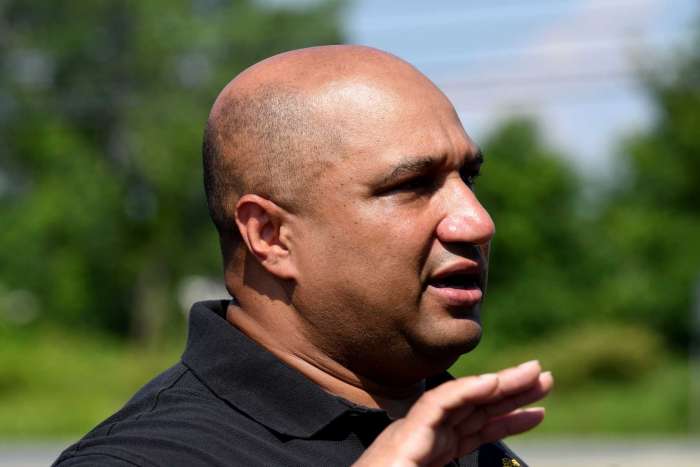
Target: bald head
column 280, row 123
column 340, row 178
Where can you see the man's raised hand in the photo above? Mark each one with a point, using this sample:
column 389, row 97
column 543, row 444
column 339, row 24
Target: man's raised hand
column 459, row 416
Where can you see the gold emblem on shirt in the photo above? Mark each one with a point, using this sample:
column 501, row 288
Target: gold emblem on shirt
column 508, row 462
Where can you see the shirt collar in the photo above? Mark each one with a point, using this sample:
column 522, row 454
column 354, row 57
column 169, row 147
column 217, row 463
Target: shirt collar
column 256, row 382
column 252, row 379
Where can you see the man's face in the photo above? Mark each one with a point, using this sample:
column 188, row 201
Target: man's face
column 393, row 257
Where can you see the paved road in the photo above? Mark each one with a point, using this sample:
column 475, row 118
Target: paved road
column 538, row 453
column 29, row 454
column 609, row 453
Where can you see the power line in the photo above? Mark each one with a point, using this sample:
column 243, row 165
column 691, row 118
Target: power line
column 490, row 82
column 472, row 101
column 498, row 12
column 531, row 103
column 629, row 39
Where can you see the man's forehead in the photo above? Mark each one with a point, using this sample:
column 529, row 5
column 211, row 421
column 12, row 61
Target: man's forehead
column 383, row 130
column 356, row 98
column 376, row 110
column 359, row 105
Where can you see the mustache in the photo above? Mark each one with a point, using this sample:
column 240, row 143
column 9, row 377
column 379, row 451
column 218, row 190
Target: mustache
column 476, row 253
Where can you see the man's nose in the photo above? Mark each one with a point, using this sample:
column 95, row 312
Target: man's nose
column 465, row 220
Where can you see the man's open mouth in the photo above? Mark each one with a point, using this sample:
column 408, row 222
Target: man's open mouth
column 457, row 281
column 458, row 285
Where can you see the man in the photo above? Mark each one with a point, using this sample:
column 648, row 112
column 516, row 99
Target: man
column 341, row 183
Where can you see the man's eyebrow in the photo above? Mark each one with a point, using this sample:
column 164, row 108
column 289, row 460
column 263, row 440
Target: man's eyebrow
column 413, row 166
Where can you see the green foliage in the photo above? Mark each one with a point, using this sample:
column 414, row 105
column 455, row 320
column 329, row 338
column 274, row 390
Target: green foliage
column 59, row 384
column 536, row 274
column 656, row 403
column 55, row 384
column 102, row 106
column 578, row 356
column 650, row 227
column 557, row 261
column 603, row 353
column 609, row 378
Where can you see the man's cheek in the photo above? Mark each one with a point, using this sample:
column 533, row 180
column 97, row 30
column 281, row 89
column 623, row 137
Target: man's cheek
column 485, row 250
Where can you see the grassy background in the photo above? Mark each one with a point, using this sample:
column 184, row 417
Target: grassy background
column 609, row 379
column 56, row 385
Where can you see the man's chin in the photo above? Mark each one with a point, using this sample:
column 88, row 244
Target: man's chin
column 464, row 343
column 444, row 348
column 461, row 332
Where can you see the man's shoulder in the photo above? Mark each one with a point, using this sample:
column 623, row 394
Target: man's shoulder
column 172, row 420
column 173, row 394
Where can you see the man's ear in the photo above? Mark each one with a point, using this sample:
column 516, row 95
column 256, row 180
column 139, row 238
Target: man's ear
column 260, row 222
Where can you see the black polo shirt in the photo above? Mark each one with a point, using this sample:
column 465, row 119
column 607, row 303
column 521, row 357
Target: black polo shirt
column 229, row 402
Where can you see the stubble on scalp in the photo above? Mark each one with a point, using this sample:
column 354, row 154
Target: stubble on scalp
column 268, row 141
column 279, row 125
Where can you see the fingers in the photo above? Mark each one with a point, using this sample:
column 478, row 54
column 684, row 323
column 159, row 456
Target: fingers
column 462, row 415
column 516, row 422
column 463, row 394
column 470, row 421
column 517, row 379
column 539, row 390
column 488, row 402
column 486, row 388
column 454, row 401
column 517, row 386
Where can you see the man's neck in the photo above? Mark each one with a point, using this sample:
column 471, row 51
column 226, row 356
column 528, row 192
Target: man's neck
column 295, row 351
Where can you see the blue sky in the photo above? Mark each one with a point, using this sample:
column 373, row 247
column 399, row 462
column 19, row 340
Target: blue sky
column 571, row 63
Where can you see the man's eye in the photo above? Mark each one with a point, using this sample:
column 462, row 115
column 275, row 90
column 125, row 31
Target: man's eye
column 418, row 184
column 469, row 178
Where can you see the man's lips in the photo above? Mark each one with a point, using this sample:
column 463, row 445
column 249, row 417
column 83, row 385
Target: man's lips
column 458, row 284
column 457, row 297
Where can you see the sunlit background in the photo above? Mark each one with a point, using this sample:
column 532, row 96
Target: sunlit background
column 588, row 113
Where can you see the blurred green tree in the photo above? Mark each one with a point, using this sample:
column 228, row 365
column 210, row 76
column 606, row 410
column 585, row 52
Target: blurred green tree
column 102, row 105
column 633, row 256
column 537, row 268
column 649, row 230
